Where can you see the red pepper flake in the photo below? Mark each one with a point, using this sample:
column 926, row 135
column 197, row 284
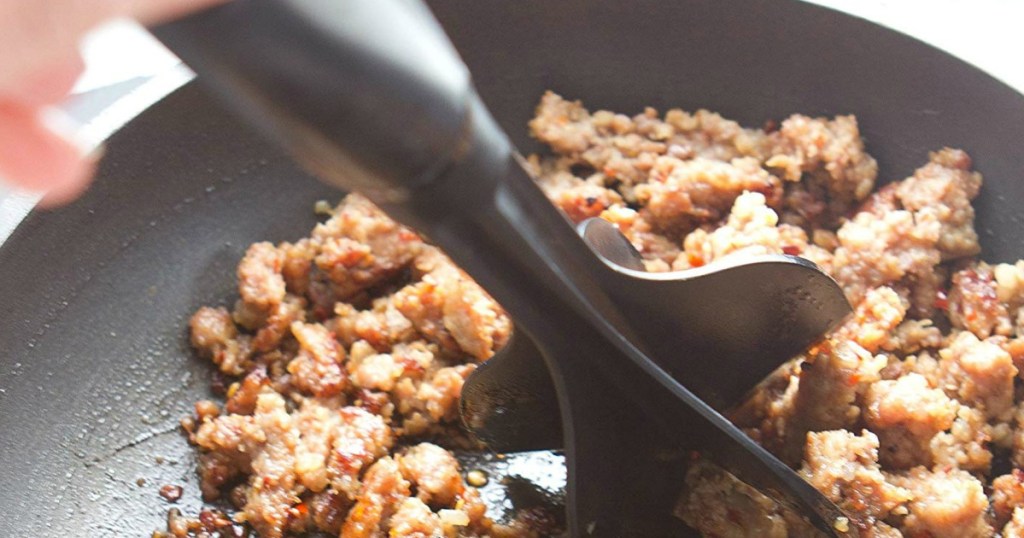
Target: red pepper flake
column 411, row 366
column 941, row 300
column 171, row 493
column 791, row 250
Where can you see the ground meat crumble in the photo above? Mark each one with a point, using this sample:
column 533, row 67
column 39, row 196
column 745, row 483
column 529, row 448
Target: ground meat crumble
column 348, row 349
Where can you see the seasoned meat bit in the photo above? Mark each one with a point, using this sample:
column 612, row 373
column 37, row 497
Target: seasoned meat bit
column 448, row 308
column 316, row 446
column 830, row 382
column 974, row 303
column 563, row 125
column 578, row 198
column 906, row 414
column 242, row 396
column 328, row 510
column 829, row 154
column 382, row 327
column 298, row 260
column 476, row 322
column 317, row 369
column 383, row 491
column 944, row 504
column 1007, row 496
column 623, row 145
column 979, row 374
column 424, row 401
column 912, row 336
column 348, row 264
column 966, row 444
column 1015, row 528
column 273, row 481
column 946, row 185
column 413, row 519
column 278, row 324
column 377, row 371
column 259, row 276
column 752, row 228
column 433, row 472
column 684, row 194
column 844, row 467
column 874, row 319
column 715, row 503
column 876, row 251
column 360, row 246
column 215, row 337
column 360, row 440
column 657, row 250
column 1010, row 284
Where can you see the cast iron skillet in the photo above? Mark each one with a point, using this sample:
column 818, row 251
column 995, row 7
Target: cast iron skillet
column 94, row 365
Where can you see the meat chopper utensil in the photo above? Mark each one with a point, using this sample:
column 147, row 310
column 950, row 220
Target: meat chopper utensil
column 370, row 95
column 719, row 330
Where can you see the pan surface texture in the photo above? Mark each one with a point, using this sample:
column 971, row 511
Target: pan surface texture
column 95, row 370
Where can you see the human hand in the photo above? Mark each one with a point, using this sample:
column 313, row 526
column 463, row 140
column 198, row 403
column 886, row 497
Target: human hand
column 39, row 64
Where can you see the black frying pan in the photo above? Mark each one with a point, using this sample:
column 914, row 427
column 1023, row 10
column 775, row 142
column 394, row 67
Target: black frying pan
column 94, row 365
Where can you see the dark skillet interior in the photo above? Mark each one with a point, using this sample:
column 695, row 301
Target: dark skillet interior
column 94, row 366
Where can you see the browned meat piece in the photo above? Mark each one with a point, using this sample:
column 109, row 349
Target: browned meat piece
column 966, row 444
column 579, row 198
column 946, row 185
column 413, row 519
column 830, row 155
column 382, row 327
column 944, row 504
column 906, row 414
column 214, row 336
column 979, row 374
column 683, row 194
column 657, row 250
column 751, row 229
column 874, row 319
column 434, row 473
column 242, row 396
column 829, row 385
column 448, row 308
column 844, row 467
column 877, row 251
column 360, row 246
column 1015, row 528
column 974, row 303
column 317, row 369
column 1007, row 496
column 259, row 276
column 383, row 490
column 277, row 325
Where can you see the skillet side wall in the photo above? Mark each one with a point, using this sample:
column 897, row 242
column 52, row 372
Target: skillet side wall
column 93, row 360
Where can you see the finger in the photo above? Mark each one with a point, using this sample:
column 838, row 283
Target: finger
column 43, row 32
column 35, row 156
column 49, row 86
